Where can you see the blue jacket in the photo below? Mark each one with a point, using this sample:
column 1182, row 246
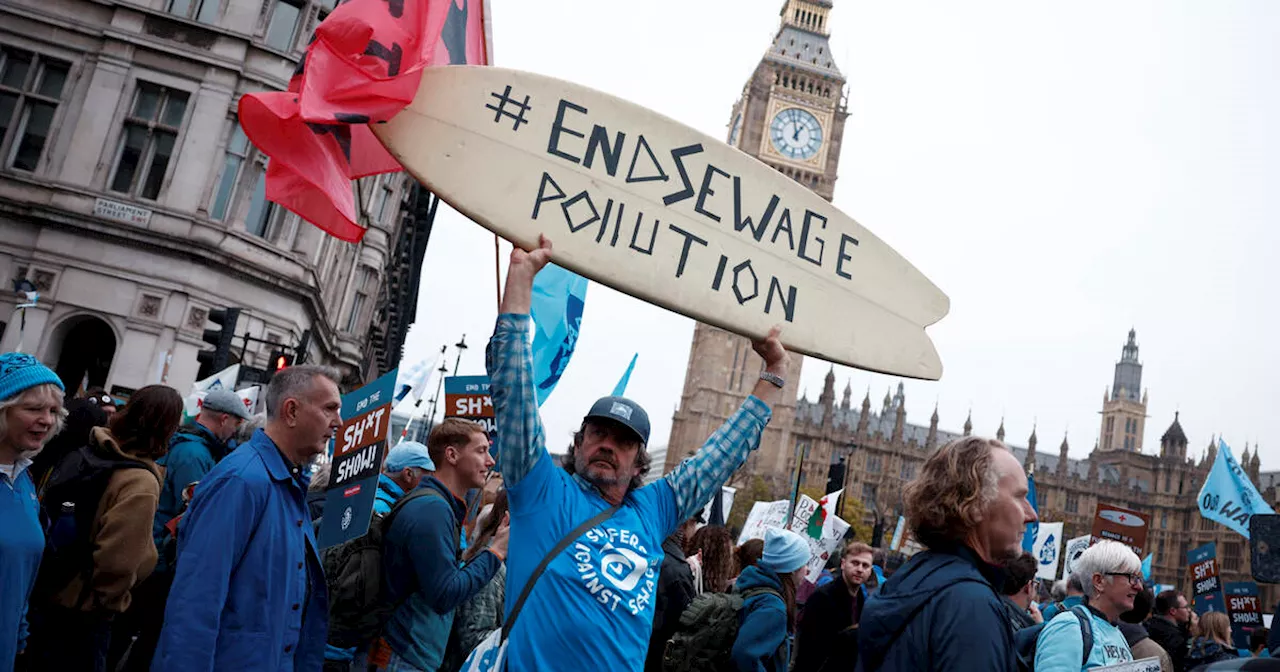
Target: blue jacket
column 762, row 644
column 420, row 568
column 192, row 453
column 946, row 606
column 249, row 592
column 21, row 545
column 388, row 492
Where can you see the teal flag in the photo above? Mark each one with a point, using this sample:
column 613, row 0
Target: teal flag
column 620, row 390
column 1228, row 496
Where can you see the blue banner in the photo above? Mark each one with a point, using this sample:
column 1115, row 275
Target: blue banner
column 1033, row 529
column 1228, row 496
column 559, row 297
column 620, row 390
column 357, row 455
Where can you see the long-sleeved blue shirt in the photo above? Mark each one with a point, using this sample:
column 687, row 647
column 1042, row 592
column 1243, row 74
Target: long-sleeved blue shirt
column 21, row 545
column 420, row 567
column 594, row 604
column 1061, row 644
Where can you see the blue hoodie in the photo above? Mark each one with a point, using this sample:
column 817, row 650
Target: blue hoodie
column 762, row 644
column 940, row 611
column 1061, row 646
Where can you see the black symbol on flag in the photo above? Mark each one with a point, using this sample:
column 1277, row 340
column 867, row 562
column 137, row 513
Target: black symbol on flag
column 500, row 110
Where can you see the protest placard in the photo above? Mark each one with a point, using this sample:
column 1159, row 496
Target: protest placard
column 358, row 452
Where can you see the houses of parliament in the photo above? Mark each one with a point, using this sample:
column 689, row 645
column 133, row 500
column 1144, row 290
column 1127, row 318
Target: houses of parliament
column 798, row 83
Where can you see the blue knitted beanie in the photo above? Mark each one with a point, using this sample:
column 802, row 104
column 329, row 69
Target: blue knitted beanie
column 20, row 372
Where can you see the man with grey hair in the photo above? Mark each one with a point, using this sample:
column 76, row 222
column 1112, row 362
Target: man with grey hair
column 1111, row 575
column 249, row 592
column 1074, row 596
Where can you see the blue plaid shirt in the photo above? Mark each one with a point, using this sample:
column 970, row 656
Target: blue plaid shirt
column 593, row 606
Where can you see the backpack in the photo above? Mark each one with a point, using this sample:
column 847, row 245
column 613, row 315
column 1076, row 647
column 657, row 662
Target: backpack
column 707, row 630
column 359, row 606
column 69, row 503
column 1025, row 640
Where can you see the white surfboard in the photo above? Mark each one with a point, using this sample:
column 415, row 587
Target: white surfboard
column 646, row 205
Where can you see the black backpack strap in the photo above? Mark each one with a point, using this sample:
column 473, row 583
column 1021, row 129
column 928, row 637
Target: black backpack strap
column 1086, row 631
column 560, row 546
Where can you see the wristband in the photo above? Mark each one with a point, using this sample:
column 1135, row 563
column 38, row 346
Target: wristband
column 773, row 379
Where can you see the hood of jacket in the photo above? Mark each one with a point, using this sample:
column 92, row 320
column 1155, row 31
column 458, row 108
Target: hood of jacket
column 758, row 577
column 1205, row 650
column 102, row 441
column 905, row 593
column 195, row 431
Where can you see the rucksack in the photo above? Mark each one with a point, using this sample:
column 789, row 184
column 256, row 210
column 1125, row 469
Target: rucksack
column 359, row 605
column 69, row 503
column 1025, row 640
column 707, row 630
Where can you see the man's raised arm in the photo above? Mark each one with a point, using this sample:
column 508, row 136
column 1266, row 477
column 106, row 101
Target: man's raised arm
column 700, row 477
column 509, row 360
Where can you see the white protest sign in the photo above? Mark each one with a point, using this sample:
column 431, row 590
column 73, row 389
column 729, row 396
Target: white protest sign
column 1074, row 548
column 658, row 210
column 832, row 534
column 897, row 533
column 1144, row 665
column 1046, row 549
column 763, row 514
column 222, row 380
column 726, row 500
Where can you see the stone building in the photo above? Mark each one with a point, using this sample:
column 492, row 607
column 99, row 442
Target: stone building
column 131, row 198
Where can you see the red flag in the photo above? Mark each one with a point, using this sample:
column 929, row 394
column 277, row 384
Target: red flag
column 362, row 66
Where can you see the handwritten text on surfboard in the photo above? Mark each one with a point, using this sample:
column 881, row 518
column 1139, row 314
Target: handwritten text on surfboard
column 711, row 192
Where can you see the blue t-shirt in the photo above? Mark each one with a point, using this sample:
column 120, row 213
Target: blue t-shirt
column 1061, row 644
column 593, row 606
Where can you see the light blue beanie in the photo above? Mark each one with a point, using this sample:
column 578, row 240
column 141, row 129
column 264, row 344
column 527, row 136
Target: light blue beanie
column 784, row 551
column 20, row 372
column 409, row 454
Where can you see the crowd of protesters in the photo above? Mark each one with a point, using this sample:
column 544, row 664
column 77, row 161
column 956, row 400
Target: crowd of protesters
column 133, row 542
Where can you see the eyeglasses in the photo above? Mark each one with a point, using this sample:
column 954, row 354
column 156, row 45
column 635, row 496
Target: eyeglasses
column 1134, row 579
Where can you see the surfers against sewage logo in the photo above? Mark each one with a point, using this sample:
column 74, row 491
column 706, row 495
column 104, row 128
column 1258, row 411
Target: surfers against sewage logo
column 616, row 569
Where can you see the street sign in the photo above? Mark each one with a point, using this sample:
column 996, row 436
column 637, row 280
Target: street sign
column 358, row 452
column 1202, row 563
column 1115, row 523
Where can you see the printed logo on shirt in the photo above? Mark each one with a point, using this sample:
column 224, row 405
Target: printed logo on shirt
column 614, row 567
column 1116, row 654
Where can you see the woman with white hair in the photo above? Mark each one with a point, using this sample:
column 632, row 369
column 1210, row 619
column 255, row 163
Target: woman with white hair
column 1111, row 575
column 30, row 414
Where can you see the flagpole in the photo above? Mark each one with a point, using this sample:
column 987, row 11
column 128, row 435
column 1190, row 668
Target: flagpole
column 497, row 266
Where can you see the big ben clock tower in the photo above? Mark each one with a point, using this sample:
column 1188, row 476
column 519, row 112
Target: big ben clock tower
column 791, row 116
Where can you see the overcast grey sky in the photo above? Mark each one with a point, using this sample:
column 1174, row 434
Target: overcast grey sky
column 1062, row 172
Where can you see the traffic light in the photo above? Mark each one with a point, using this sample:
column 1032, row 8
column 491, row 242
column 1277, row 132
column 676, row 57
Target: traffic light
column 279, row 360
column 217, row 359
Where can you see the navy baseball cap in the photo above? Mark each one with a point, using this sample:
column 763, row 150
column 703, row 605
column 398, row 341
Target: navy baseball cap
column 624, row 411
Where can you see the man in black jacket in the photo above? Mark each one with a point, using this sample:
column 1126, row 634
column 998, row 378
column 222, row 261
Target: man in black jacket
column 1019, row 582
column 827, row 637
column 675, row 592
column 1170, row 625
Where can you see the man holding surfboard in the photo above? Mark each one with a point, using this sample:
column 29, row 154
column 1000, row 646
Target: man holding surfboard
column 592, row 606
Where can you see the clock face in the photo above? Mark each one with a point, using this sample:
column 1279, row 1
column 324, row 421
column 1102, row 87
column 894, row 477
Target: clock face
column 796, row 133
column 737, row 128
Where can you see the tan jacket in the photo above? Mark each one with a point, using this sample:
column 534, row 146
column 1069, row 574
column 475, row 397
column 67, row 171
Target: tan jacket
column 1148, row 648
column 124, row 551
